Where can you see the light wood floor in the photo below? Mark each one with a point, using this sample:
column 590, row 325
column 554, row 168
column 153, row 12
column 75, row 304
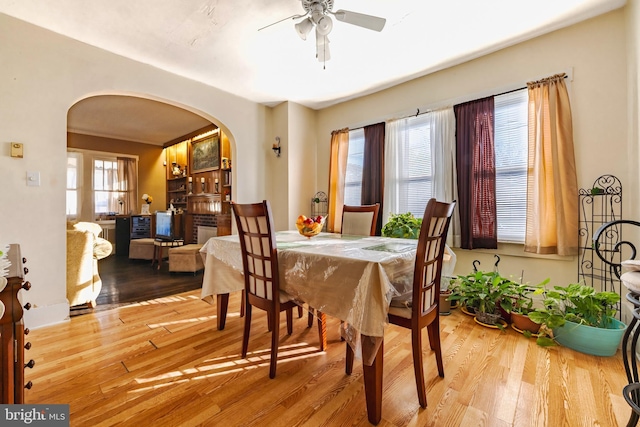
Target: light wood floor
column 163, row 363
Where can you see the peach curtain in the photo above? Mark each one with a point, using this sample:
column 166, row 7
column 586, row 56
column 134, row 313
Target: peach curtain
column 337, row 172
column 552, row 185
column 128, row 182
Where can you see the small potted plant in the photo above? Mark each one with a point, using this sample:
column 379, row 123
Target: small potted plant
column 578, row 317
column 445, row 293
column 402, row 225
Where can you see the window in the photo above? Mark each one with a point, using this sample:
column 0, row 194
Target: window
column 511, row 133
column 74, row 174
column 355, row 162
column 415, row 176
column 105, row 186
column 412, row 169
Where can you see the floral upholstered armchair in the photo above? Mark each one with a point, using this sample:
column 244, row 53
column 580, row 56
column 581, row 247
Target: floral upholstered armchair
column 84, row 248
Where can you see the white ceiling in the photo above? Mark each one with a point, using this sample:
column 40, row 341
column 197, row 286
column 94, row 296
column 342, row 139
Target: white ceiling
column 217, row 42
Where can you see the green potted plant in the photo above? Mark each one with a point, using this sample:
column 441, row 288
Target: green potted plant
column 578, row 317
column 445, row 292
column 483, row 294
column 522, row 297
column 402, row 225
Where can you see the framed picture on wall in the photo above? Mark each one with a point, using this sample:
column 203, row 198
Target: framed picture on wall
column 205, row 154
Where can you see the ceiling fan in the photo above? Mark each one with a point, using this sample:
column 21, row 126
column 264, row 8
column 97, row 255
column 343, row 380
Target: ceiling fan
column 317, row 13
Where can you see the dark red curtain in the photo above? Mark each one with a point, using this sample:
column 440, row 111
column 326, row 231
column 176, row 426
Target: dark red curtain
column 373, row 168
column 476, row 174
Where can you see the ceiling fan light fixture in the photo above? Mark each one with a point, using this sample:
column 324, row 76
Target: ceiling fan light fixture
column 304, row 27
column 324, row 24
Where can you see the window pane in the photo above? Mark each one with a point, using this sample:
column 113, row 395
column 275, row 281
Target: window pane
column 511, row 165
column 414, row 179
column 72, row 203
column 105, row 186
column 355, row 162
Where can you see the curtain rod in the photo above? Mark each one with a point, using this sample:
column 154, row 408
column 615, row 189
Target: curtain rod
column 418, row 113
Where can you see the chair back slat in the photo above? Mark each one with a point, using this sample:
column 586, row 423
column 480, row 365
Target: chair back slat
column 258, row 246
column 429, row 257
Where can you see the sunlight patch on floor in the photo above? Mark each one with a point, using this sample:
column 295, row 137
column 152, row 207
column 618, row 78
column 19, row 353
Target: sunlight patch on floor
column 229, row 365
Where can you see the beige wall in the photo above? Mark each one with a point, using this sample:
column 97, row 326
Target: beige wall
column 278, row 177
column 595, row 51
column 301, row 162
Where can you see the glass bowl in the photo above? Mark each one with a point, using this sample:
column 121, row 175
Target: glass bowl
column 310, row 230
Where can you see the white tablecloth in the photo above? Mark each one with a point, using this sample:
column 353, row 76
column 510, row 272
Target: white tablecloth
column 352, row 278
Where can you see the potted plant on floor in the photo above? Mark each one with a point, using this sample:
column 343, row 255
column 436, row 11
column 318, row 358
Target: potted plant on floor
column 445, row 292
column 578, row 317
column 522, row 296
column 483, row 293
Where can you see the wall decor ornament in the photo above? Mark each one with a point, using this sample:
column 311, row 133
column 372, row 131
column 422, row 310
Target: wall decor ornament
column 206, row 154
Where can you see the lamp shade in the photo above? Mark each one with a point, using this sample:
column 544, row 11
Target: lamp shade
column 324, row 24
column 303, row 27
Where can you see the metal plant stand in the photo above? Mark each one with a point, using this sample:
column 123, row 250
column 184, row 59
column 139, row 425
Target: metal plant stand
column 598, row 205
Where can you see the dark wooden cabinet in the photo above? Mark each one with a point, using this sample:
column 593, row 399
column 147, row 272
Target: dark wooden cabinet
column 123, row 235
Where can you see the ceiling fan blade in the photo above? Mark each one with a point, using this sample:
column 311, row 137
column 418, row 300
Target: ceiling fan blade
column 283, row 19
column 360, row 19
column 322, row 48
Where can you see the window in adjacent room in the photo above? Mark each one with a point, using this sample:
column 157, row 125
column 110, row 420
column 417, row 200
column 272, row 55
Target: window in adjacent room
column 105, row 186
column 74, row 178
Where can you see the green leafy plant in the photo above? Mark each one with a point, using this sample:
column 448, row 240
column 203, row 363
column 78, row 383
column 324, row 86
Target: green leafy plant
column 484, row 292
column 403, row 226
column 575, row 303
column 522, row 296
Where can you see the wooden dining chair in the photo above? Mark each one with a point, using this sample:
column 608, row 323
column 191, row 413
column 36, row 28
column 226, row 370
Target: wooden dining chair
column 261, row 275
column 423, row 311
column 360, row 220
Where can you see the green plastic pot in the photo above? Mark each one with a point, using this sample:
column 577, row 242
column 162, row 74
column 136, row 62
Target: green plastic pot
column 591, row 340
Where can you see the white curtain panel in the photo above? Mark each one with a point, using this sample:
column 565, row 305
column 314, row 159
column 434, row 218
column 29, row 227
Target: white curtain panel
column 442, row 125
column 393, row 155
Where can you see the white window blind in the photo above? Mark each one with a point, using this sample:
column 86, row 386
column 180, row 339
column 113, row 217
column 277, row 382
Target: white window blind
column 511, row 165
column 415, row 172
column 355, row 161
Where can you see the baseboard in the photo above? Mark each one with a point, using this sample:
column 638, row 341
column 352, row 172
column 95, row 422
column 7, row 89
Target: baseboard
column 39, row 317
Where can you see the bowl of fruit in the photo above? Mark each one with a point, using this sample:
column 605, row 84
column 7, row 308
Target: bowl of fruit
column 309, row 227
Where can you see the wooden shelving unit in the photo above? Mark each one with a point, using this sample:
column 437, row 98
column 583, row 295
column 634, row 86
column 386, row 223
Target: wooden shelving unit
column 197, row 190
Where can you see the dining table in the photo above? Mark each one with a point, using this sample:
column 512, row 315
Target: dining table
column 352, row 278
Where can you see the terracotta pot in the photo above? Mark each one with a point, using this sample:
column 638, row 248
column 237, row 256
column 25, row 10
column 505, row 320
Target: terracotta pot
column 521, row 322
column 444, row 306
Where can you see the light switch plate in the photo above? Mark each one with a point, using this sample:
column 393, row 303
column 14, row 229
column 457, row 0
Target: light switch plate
column 33, row 179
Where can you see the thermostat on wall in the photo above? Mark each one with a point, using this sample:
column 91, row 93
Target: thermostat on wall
column 17, row 150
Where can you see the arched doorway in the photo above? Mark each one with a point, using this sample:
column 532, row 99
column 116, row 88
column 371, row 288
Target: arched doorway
column 130, row 125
